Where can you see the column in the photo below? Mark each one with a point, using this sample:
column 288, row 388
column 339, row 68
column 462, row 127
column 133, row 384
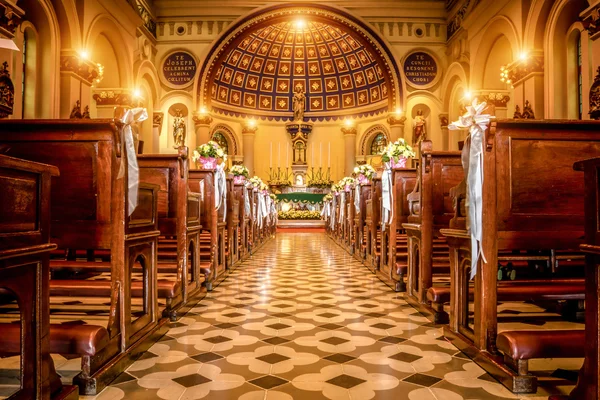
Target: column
column 444, row 126
column 248, row 132
column 396, row 121
column 349, row 149
column 202, row 129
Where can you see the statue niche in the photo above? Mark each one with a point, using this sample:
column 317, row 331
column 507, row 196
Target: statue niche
column 419, row 129
column 178, row 129
column 299, row 152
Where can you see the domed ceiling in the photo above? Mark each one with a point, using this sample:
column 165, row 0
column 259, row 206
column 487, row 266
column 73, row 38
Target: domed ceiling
column 339, row 67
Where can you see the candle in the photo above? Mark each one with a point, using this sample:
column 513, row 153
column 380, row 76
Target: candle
column 287, row 154
column 312, row 154
column 271, row 157
column 320, row 154
column 329, row 156
column 279, row 155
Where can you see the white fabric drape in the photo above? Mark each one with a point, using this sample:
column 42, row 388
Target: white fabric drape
column 221, row 190
column 131, row 116
column 357, row 198
column 472, row 160
column 387, row 197
column 342, row 207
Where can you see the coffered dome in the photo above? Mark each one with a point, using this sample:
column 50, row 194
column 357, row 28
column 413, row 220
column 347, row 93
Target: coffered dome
column 338, row 65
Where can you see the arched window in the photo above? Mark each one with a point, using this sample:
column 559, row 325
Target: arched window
column 221, row 141
column 378, row 144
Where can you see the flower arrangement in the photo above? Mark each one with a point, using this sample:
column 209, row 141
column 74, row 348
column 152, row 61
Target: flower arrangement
column 209, row 155
column 364, row 173
column 336, row 188
column 299, row 214
column 240, row 173
column 273, row 197
column 327, row 197
column 396, row 153
column 319, row 183
column 347, row 183
column 255, row 182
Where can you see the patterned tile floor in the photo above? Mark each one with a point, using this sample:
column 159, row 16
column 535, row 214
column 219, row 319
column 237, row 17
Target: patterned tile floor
column 303, row 320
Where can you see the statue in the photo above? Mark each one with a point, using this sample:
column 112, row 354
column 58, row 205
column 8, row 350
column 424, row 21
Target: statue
column 528, row 111
column 76, row 111
column 419, row 129
column 299, row 180
column 517, row 114
column 299, row 104
column 179, row 129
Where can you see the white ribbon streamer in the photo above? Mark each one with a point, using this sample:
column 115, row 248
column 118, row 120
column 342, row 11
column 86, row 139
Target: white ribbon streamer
column 357, row 198
column 131, row 116
column 387, row 197
column 326, row 210
column 472, row 160
column 221, row 189
column 246, row 202
column 342, row 207
column 333, row 205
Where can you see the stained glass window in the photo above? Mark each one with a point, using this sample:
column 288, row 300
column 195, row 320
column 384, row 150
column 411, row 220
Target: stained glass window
column 378, row 144
column 221, row 141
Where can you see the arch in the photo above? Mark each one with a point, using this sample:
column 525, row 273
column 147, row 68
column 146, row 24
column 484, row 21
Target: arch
column 70, row 34
column 457, row 74
column 369, row 135
column 561, row 17
column 48, row 54
column 30, row 73
column 338, row 17
column 535, row 25
column 147, row 71
column 229, row 135
column 498, row 27
column 107, row 26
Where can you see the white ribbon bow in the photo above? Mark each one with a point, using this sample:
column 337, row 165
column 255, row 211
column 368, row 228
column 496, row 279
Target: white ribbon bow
column 326, row 210
column 387, row 196
column 357, row 198
column 221, row 189
column 130, row 117
column 472, row 160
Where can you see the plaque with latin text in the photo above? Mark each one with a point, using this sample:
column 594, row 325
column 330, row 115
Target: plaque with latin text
column 420, row 69
column 179, row 68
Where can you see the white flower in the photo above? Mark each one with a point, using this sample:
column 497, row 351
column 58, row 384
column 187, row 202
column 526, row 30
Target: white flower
column 220, row 153
column 356, row 170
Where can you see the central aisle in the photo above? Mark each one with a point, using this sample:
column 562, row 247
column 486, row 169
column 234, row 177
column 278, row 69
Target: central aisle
column 302, row 319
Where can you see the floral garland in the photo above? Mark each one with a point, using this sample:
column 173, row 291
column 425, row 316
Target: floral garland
column 209, row 152
column 255, row 182
column 328, row 197
column 240, row 170
column 299, row 214
column 396, row 151
column 347, row 183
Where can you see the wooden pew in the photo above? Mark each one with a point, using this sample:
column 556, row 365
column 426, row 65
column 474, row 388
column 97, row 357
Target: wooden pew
column 373, row 225
column 431, row 209
column 213, row 225
column 359, row 223
column 394, row 251
column 532, row 200
column 588, row 387
column 24, row 273
column 233, row 224
column 179, row 225
column 89, row 211
column 241, row 193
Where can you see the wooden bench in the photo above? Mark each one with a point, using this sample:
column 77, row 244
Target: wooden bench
column 394, row 250
column 179, row 218
column 233, row 224
column 373, row 225
column 532, row 200
column 431, row 209
column 359, row 223
column 588, row 387
column 24, row 274
column 213, row 224
column 89, row 211
column 245, row 216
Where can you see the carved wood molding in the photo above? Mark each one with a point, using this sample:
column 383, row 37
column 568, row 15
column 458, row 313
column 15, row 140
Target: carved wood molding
column 591, row 21
column 84, row 69
column 7, row 92
column 10, row 18
column 115, row 97
column 521, row 69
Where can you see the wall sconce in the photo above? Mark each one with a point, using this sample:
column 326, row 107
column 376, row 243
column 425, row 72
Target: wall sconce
column 203, row 111
column 398, row 111
column 84, row 54
column 349, row 123
column 467, row 96
column 251, row 123
column 137, row 93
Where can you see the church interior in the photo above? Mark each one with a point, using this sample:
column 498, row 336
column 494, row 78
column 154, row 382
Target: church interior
column 285, row 200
